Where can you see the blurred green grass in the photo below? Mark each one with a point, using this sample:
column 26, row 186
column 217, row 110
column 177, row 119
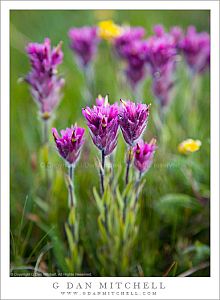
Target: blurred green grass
column 159, row 243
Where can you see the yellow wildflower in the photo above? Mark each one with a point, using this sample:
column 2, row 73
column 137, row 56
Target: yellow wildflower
column 108, row 30
column 189, row 146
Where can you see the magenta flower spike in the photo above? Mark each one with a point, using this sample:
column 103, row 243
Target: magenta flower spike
column 143, row 155
column 132, row 119
column 127, row 37
column 70, row 143
column 161, row 51
column 177, row 33
column 196, row 49
column 135, row 55
column 44, row 83
column 102, row 121
column 69, row 146
column 84, row 41
column 161, row 57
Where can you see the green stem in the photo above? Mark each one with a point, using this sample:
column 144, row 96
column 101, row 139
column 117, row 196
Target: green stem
column 45, row 137
column 45, row 132
column 128, row 165
column 70, row 187
column 102, row 172
column 137, row 187
column 129, row 159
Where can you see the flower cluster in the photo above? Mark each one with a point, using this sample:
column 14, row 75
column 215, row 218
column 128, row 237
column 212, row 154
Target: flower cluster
column 158, row 53
column 70, row 142
column 84, row 41
column 43, row 80
column 102, row 121
column 196, row 49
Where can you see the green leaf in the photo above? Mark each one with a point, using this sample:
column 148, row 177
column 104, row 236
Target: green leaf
column 98, row 201
column 69, row 237
column 102, row 229
column 120, row 199
column 72, row 217
column 42, row 204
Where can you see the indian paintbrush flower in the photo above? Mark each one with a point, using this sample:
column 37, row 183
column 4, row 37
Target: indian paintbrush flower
column 189, row 146
column 132, row 119
column 143, row 159
column 84, row 41
column 127, row 37
column 161, row 57
column 196, row 49
column 135, row 56
column 69, row 144
column 143, row 155
column 130, row 47
column 44, row 83
column 102, row 121
column 177, row 33
column 160, row 51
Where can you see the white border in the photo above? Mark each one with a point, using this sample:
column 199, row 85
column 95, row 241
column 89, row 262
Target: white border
column 176, row 288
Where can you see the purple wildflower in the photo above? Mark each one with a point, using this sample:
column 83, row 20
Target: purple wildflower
column 143, row 155
column 160, row 52
column 102, row 121
column 196, row 49
column 84, row 41
column 162, row 85
column 161, row 57
column 128, row 35
column 177, row 33
column 132, row 49
column 135, row 53
column 45, row 84
column 135, row 56
column 70, row 143
column 132, row 119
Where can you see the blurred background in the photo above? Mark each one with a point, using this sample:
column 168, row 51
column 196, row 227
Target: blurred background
column 174, row 224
